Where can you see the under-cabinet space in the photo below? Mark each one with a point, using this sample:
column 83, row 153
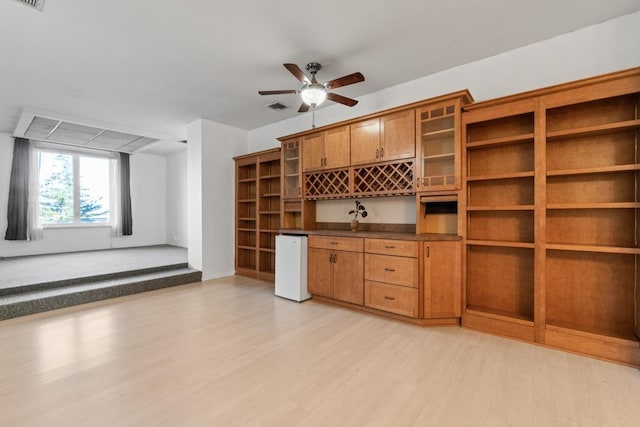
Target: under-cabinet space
column 437, row 214
column 592, row 292
column 500, row 281
column 298, row 215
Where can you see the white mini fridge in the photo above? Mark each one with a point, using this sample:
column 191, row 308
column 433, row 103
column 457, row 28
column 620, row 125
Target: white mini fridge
column 291, row 267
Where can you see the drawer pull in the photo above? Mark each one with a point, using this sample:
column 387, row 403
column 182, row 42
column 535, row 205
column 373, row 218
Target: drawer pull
column 333, row 243
column 389, row 298
column 389, row 247
column 389, row 269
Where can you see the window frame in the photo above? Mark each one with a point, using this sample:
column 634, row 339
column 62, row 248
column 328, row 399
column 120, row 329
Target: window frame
column 76, row 155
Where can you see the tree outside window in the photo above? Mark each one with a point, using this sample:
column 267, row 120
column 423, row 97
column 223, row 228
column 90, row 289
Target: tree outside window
column 74, row 189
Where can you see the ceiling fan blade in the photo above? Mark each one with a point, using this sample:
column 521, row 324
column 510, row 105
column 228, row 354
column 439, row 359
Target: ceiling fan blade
column 297, row 72
column 341, row 99
column 345, row 80
column 276, row 92
column 303, row 108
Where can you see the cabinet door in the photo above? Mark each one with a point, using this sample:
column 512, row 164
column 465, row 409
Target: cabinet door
column 398, row 135
column 291, row 171
column 313, row 152
column 336, row 147
column 442, row 279
column 320, row 273
column 365, row 142
column 348, row 280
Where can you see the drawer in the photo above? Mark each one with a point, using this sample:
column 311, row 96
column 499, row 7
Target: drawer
column 336, row 243
column 391, row 269
column 391, row 298
column 391, row 247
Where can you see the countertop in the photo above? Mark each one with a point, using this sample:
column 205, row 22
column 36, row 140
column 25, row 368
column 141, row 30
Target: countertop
column 373, row 234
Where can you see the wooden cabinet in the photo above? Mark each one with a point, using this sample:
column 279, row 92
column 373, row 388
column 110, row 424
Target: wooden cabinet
column 296, row 213
column 500, row 206
column 591, row 220
column 328, row 149
column 336, row 268
column 442, row 263
column 257, row 219
column 438, row 147
column 246, row 216
column 392, row 272
column 291, row 170
column 552, row 214
column 386, row 138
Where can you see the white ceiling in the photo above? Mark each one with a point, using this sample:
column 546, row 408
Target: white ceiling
column 158, row 65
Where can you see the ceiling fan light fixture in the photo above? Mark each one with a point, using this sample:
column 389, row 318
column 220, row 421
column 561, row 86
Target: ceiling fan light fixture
column 313, row 94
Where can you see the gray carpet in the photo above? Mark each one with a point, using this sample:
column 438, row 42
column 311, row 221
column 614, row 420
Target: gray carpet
column 29, row 270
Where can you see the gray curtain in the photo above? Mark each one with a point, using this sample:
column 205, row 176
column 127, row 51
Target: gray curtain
column 18, row 192
column 125, row 195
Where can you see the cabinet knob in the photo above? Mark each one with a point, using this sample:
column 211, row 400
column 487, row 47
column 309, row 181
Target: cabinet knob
column 377, row 153
column 381, row 152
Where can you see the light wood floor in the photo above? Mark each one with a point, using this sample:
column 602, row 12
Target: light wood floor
column 226, row 352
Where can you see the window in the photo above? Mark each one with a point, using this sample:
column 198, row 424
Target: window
column 74, row 188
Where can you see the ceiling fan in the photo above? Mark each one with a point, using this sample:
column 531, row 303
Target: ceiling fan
column 314, row 93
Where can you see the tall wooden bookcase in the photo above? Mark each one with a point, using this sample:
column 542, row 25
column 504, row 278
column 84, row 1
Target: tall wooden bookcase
column 257, row 213
column 551, row 227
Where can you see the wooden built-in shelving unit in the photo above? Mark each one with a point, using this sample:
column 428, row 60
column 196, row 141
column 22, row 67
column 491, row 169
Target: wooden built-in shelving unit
column 258, row 199
column 552, row 208
column 539, row 190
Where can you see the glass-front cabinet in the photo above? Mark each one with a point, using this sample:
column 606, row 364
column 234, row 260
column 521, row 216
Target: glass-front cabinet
column 438, row 148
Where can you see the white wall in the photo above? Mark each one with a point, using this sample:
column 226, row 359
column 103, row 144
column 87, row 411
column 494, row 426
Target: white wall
column 148, row 182
column 211, row 172
column 610, row 46
column 177, row 200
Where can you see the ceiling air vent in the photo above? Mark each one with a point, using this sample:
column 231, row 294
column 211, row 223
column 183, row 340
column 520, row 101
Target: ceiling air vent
column 36, row 4
column 277, row 106
column 51, row 129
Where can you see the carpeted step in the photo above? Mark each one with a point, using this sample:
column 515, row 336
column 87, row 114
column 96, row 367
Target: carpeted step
column 45, row 286
column 37, row 301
